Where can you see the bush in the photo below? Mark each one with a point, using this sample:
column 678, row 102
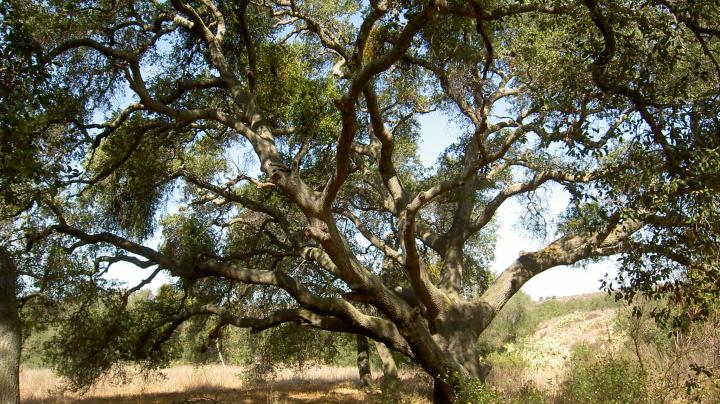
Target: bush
column 472, row 391
column 677, row 361
column 528, row 393
column 603, row 380
column 511, row 324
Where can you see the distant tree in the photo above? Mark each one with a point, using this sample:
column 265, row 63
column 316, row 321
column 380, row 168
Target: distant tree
column 147, row 107
column 10, row 334
column 27, row 163
column 363, row 361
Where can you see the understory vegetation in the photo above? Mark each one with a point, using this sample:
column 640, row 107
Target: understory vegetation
column 592, row 349
column 586, row 348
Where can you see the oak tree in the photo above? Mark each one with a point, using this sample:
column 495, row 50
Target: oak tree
column 157, row 111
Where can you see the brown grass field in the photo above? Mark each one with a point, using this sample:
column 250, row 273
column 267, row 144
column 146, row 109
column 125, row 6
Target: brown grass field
column 217, row 384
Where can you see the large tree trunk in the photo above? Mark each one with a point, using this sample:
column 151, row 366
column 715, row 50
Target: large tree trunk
column 456, row 336
column 442, row 392
column 445, row 387
column 363, row 360
column 9, row 332
column 390, row 372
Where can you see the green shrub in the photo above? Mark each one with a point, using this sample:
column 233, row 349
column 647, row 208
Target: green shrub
column 603, row 380
column 472, row 391
column 528, row 393
column 511, row 324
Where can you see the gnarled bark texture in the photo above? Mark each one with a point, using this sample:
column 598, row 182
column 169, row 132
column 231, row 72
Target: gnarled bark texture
column 9, row 332
column 389, row 367
column 363, row 361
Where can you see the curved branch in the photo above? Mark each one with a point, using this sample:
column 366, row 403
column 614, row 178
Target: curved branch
column 346, row 104
column 301, row 316
column 130, row 246
column 566, row 250
column 246, row 202
column 379, row 244
column 249, row 46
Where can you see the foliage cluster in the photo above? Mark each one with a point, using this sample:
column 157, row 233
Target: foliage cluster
column 679, row 362
column 652, row 361
column 290, row 345
column 470, row 390
column 603, row 380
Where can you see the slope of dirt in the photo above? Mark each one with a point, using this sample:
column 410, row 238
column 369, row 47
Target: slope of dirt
column 548, row 350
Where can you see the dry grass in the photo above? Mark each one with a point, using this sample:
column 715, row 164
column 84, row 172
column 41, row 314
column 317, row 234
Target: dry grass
column 188, row 384
column 42, row 385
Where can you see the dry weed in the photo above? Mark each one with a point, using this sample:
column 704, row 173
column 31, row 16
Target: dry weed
column 214, row 384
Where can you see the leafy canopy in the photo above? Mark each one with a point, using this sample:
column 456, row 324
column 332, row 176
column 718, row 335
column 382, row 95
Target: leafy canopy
column 147, row 119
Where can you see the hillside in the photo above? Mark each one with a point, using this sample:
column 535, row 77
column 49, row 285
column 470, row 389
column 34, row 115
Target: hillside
column 589, row 348
column 547, row 352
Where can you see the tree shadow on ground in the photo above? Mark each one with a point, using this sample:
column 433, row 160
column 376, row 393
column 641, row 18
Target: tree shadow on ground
column 282, row 392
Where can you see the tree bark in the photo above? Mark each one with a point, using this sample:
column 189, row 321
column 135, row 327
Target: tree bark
column 464, row 352
column 443, row 392
column 363, row 360
column 9, row 332
column 457, row 335
column 389, row 367
column 219, row 351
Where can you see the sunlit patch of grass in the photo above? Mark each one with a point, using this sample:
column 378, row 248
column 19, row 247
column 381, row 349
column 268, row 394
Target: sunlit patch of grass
column 42, row 384
column 214, row 383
